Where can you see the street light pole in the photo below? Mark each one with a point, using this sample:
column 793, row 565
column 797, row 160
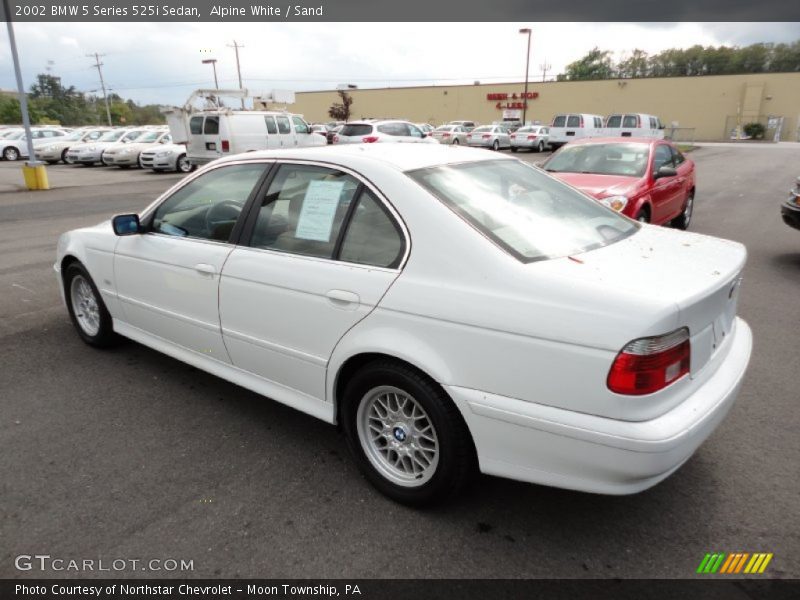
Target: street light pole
column 213, row 63
column 527, row 64
column 23, row 98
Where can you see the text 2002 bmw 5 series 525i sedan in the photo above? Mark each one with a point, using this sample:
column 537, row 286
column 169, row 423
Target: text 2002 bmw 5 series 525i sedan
column 450, row 309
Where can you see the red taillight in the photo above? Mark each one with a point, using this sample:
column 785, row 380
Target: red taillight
column 531, row 137
column 649, row 364
column 226, row 146
column 370, row 139
column 336, row 139
column 486, row 136
column 581, row 122
column 513, row 137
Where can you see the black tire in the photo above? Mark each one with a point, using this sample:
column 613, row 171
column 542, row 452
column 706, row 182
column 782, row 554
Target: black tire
column 496, row 145
column 11, row 153
column 514, row 148
column 456, row 142
column 540, row 147
column 52, row 162
column 104, row 336
column 182, row 164
column 683, row 220
column 64, row 156
column 456, row 461
column 643, row 216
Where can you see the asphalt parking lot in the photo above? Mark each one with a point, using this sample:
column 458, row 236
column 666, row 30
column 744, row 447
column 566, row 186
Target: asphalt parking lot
column 129, row 454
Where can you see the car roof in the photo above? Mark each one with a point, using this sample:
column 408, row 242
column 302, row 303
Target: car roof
column 617, row 140
column 402, row 157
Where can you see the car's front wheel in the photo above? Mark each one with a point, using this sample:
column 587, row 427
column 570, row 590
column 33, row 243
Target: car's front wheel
column 11, row 153
column 496, row 145
column 182, row 165
column 86, row 308
column 407, row 436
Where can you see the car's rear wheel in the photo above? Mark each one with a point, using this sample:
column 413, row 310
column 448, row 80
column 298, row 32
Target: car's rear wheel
column 496, row 145
column 540, row 147
column 682, row 221
column 514, row 148
column 64, row 156
column 86, row 308
column 182, row 165
column 407, row 436
column 11, row 153
column 456, row 142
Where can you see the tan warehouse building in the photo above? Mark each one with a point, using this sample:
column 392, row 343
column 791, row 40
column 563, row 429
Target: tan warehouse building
column 704, row 108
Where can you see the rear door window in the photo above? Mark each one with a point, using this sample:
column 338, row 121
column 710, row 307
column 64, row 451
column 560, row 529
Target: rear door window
column 573, row 121
column 614, row 121
column 196, row 125
column 283, row 125
column 211, row 126
column 630, row 121
column 271, row 127
column 560, row 121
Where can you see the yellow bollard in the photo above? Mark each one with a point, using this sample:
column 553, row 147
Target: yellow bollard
column 35, row 177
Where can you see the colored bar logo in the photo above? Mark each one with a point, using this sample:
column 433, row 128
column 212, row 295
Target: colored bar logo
column 735, row 563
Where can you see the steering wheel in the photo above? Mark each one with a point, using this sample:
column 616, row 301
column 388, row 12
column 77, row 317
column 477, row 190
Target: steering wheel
column 221, row 213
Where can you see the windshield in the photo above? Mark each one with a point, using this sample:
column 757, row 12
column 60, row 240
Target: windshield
column 111, row 136
column 601, row 159
column 480, row 129
column 523, row 210
column 148, row 137
column 445, row 128
column 132, row 135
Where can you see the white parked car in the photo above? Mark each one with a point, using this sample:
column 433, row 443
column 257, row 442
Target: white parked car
column 91, row 153
column 450, row 134
column 535, row 138
column 55, row 150
column 15, row 145
column 449, row 308
column 371, row 131
column 495, row 137
column 167, row 157
column 126, row 154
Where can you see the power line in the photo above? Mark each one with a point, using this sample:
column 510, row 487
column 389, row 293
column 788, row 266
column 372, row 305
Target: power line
column 98, row 64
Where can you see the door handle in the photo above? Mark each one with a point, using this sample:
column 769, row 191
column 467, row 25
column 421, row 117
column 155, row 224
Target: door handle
column 205, row 269
column 343, row 297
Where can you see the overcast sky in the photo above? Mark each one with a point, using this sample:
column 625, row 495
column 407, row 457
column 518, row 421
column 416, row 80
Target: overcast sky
column 160, row 62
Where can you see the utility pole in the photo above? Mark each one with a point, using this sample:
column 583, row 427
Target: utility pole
column 527, row 63
column 236, row 47
column 545, row 68
column 98, row 64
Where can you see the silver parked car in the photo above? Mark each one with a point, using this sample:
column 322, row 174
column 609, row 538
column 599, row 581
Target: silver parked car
column 367, row 132
column 450, row 134
column 490, row 136
column 468, row 125
column 56, row 150
column 167, row 157
column 532, row 137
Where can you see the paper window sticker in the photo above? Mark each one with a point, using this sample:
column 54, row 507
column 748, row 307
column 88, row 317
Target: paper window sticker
column 319, row 209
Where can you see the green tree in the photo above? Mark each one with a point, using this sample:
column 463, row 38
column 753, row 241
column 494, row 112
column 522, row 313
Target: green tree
column 596, row 64
column 636, row 65
column 340, row 111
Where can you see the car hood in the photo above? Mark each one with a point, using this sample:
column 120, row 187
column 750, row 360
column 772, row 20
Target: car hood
column 134, row 146
column 600, row 186
column 84, row 145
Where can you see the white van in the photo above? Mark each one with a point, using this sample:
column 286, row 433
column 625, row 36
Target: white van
column 573, row 126
column 217, row 133
column 634, row 125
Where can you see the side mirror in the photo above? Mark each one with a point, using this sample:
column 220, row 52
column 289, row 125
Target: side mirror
column 666, row 171
column 126, row 225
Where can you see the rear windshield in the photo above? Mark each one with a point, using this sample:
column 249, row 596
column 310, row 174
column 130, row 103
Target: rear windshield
column 630, row 121
column 560, row 121
column 601, row 159
column 481, row 129
column 358, row 129
column 523, row 210
column 573, row 121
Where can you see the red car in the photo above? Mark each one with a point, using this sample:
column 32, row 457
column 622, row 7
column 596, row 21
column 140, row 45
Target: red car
column 646, row 179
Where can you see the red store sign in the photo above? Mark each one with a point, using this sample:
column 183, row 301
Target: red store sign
column 512, row 101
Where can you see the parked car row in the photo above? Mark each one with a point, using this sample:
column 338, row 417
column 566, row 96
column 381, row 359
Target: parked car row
column 14, row 144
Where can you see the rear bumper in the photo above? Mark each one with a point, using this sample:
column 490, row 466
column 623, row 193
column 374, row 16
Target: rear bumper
column 542, row 444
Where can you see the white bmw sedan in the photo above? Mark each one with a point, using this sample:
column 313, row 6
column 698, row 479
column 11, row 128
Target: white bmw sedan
column 449, row 309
